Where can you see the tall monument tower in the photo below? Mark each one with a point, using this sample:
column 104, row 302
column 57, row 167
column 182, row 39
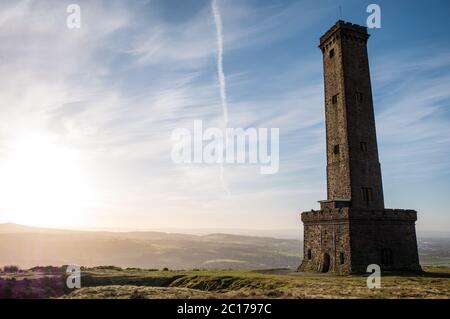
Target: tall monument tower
column 353, row 229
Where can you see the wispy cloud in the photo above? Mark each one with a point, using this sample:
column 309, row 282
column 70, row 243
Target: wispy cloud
column 413, row 123
column 115, row 89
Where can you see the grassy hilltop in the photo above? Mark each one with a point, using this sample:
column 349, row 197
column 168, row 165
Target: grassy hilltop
column 115, row 283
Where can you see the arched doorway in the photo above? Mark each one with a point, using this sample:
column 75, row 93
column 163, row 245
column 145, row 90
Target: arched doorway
column 326, row 263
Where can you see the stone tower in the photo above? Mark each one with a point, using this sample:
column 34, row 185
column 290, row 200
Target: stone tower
column 353, row 229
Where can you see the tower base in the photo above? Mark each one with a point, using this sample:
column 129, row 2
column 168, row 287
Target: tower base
column 346, row 240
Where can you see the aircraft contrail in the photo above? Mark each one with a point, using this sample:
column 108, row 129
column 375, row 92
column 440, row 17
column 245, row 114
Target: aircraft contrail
column 221, row 77
column 220, row 73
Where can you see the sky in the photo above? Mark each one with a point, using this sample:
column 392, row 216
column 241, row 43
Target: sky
column 87, row 114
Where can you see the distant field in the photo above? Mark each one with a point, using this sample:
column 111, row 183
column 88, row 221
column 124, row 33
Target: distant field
column 29, row 246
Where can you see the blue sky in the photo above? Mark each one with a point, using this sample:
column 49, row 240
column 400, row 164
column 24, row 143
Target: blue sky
column 89, row 112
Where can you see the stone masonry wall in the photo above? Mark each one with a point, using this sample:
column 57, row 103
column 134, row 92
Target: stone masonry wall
column 354, row 239
column 326, row 232
column 350, row 118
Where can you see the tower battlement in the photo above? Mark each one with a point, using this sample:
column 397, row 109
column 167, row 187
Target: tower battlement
column 347, row 28
column 346, row 214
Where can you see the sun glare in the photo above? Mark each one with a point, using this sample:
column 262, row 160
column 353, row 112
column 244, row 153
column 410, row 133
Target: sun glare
column 42, row 182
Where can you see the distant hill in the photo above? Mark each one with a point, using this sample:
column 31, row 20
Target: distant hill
column 31, row 246
column 16, row 228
